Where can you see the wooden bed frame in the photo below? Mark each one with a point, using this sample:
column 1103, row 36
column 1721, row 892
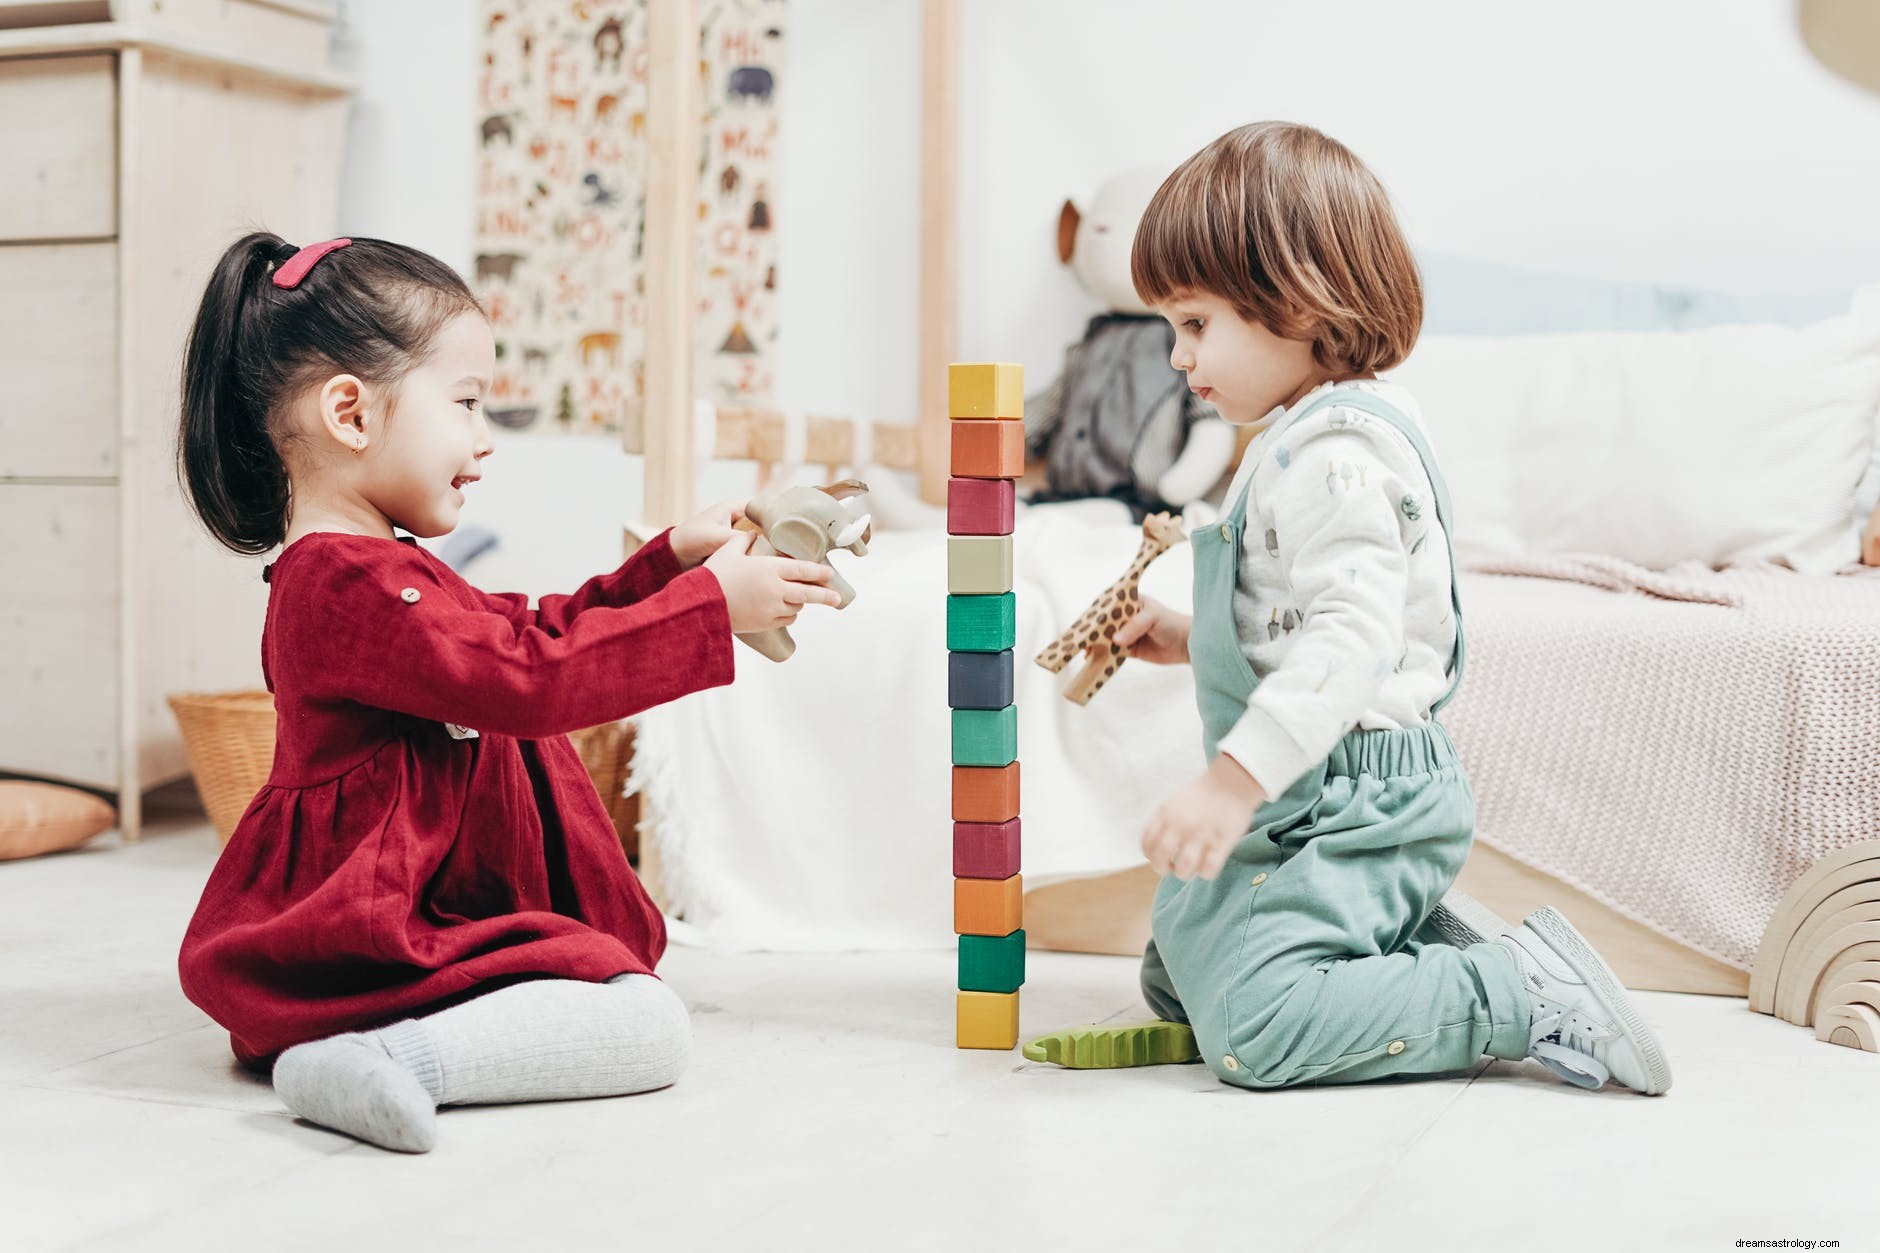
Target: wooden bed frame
column 664, row 435
column 1101, row 915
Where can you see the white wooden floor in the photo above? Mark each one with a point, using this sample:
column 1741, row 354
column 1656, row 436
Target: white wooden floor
column 827, row 1109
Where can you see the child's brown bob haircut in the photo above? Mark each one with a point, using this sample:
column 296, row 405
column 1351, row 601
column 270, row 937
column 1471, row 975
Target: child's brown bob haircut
column 1290, row 229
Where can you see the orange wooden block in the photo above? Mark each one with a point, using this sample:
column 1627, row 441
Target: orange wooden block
column 985, row 793
column 988, row 906
column 988, row 450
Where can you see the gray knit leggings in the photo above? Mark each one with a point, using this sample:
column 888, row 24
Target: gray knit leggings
column 547, row 1040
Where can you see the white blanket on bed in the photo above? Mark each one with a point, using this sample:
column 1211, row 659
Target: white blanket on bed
column 808, row 804
column 1679, row 744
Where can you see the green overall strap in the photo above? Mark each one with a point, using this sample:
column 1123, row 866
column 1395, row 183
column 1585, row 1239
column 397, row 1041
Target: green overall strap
column 1377, row 407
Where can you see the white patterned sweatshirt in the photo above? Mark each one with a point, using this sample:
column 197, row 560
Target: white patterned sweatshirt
column 1342, row 603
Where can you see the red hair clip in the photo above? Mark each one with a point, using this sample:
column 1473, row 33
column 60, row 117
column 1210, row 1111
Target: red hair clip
column 289, row 274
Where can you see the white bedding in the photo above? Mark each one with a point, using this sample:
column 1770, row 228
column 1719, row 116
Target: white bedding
column 808, row 804
column 1682, row 761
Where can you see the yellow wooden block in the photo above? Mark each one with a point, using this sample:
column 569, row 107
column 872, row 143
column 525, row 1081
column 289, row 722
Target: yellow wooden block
column 987, row 1020
column 979, row 565
column 985, row 389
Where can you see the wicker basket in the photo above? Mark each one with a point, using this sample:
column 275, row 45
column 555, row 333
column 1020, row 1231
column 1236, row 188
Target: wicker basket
column 607, row 752
column 229, row 737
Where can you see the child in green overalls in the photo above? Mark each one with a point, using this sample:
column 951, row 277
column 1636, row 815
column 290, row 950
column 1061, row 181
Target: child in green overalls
column 1297, row 935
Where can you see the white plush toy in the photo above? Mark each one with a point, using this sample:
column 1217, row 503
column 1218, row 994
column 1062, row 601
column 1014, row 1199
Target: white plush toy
column 1119, row 421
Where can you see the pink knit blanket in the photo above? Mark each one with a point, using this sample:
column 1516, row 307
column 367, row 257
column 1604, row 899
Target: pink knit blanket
column 1679, row 744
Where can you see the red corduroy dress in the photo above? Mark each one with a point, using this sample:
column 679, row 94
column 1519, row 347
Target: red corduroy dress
column 388, row 868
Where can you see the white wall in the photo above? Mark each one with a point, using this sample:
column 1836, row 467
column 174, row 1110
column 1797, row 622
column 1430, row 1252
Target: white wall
column 411, row 138
column 557, row 503
column 1689, row 141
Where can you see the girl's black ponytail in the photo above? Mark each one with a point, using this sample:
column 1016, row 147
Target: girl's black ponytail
column 371, row 308
column 230, row 468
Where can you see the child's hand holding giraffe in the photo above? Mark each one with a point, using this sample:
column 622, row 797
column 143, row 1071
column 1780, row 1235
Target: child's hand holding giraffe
column 1094, row 636
column 1156, row 634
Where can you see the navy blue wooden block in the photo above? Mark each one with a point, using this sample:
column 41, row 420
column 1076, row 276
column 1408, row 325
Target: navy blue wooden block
column 979, row 680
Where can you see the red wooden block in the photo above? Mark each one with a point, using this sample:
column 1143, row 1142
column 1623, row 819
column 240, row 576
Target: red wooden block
column 985, row 793
column 980, row 506
column 992, row 449
column 985, row 850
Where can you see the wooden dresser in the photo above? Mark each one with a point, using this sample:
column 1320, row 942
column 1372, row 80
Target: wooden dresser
column 138, row 138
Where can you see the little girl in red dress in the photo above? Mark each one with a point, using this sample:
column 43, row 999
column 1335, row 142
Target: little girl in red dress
column 427, row 904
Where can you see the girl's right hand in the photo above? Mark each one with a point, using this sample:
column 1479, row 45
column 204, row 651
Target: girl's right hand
column 762, row 593
column 1157, row 633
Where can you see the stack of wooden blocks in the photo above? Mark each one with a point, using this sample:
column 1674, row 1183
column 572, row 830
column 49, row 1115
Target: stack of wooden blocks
column 986, row 402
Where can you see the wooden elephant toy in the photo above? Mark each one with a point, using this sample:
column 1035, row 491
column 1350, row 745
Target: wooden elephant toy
column 807, row 523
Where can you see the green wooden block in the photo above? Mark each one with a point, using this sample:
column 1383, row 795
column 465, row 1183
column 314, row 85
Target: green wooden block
column 992, row 963
column 985, row 737
column 982, row 624
column 979, row 565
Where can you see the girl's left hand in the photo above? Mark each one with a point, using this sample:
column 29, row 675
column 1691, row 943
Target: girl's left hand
column 1193, row 832
column 698, row 538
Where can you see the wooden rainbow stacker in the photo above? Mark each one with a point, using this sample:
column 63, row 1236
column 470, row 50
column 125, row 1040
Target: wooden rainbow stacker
column 986, row 402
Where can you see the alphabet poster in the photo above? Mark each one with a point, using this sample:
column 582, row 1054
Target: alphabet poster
column 560, row 206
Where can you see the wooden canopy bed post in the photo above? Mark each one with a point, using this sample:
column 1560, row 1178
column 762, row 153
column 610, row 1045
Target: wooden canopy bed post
column 672, row 144
column 939, row 239
column 664, row 430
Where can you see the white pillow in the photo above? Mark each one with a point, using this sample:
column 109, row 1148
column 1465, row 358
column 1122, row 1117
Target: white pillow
column 1723, row 445
column 1866, row 304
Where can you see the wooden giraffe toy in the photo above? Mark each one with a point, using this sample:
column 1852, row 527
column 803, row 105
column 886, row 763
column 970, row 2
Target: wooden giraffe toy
column 1108, row 612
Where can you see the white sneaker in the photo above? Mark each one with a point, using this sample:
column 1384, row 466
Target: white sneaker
column 1462, row 920
column 1584, row 1026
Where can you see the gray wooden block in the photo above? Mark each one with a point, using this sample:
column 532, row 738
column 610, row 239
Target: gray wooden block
column 979, row 680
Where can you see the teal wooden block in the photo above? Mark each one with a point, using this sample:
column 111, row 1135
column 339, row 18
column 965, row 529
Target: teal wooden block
column 982, row 624
column 992, row 963
column 985, row 737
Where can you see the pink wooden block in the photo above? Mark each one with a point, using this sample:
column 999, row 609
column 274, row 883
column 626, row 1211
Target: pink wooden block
column 980, row 506
column 985, row 850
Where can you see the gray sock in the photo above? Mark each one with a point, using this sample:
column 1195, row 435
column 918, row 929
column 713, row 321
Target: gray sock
column 544, row 1040
column 352, row 1084
column 548, row 1040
